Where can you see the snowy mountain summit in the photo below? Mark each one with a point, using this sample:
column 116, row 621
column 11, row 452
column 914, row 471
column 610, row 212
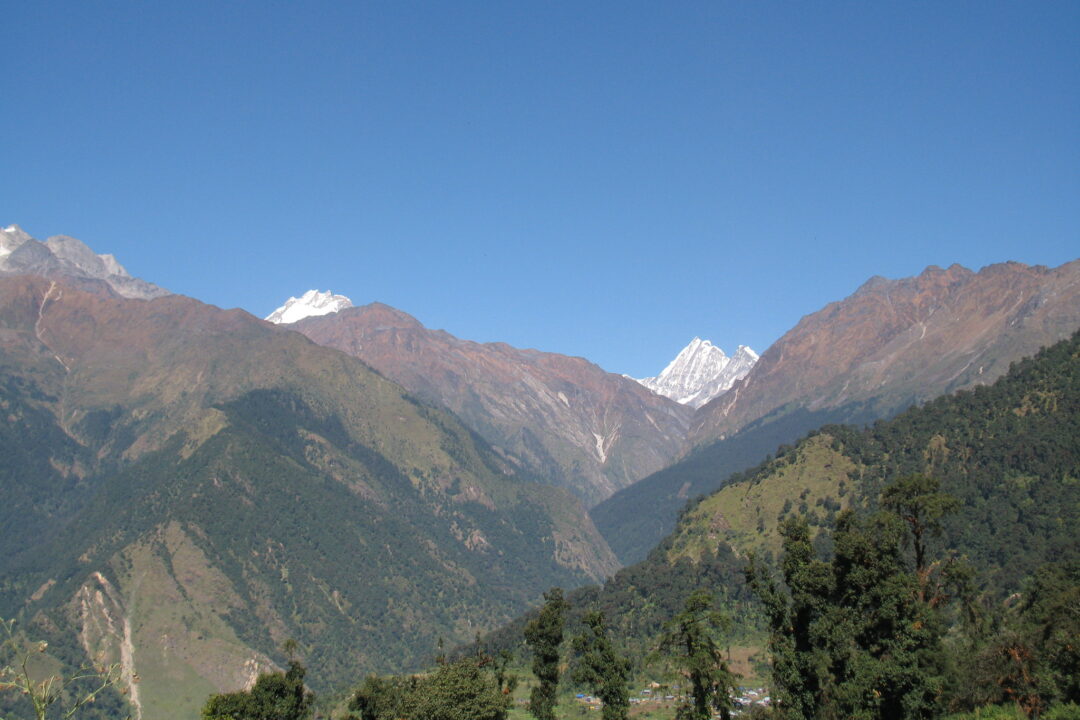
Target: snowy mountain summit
column 309, row 304
column 700, row 372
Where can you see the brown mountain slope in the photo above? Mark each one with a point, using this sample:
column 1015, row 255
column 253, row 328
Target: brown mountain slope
column 891, row 344
column 895, row 342
column 182, row 488
column 559, row 417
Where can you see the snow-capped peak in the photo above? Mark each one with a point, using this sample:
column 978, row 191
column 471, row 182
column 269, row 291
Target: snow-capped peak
column 700, row 372
column 309, row 304
column 745, row 351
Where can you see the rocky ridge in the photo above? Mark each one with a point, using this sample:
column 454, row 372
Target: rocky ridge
column 894, row 343
column 891, row 344
column 561, row 419
column 63, row 257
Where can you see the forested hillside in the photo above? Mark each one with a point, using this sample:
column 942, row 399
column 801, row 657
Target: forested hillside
column 1008, row 455
column 183, row 488
column 1010, row 452
column 890, row 345
column 633, row 520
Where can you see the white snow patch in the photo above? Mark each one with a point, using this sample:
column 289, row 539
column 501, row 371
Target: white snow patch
column 310, row 304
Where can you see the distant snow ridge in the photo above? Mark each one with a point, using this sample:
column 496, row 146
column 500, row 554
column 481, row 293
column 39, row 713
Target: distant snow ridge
column 309, row 304
column 700, row 372
column 63, row 256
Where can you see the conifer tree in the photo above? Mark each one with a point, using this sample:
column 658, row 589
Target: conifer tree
column 602, row 669
column 692, row 639
column 544, row 635
column 860, row 636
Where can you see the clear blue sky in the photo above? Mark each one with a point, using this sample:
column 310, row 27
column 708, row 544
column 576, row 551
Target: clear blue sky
column 592, row 178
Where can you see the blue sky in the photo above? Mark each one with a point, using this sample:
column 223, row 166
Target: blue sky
column 598, row 179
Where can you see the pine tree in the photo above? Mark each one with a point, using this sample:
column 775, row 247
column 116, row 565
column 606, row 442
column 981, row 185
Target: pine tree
column 601, row 668
column 544, row 635
column 692, row 639
column 859, row 636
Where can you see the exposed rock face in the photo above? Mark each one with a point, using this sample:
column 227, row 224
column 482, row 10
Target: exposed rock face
column 65, row 258
column 897, row 342
column 561, row 418
column 700, row 372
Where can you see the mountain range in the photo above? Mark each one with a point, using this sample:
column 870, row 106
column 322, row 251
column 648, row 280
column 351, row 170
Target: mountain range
column 1009, row 453
column 889, row 345
column 893, row 343
column 559, row 418
column 182, row 488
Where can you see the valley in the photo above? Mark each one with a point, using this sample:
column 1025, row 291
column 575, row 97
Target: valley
column 186, row 490
column 540, row 361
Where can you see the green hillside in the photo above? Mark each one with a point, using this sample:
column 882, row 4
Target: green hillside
column 1009, row 452
column 182, row 489
column 890, row 345
column 636, row 518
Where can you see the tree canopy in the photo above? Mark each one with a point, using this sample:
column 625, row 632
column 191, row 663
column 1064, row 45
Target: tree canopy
column 275, row 696
column 461, row 690
column 693, row 640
